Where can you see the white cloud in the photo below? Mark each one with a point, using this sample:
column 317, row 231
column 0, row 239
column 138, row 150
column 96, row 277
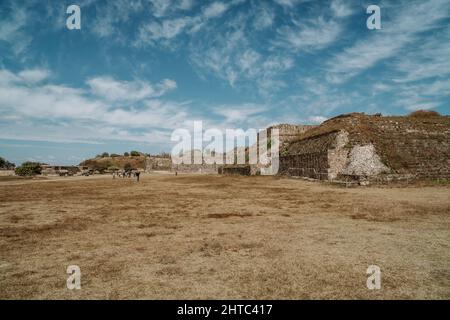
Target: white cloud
column 239, row 114
column 45, row 111
column 395, row 35
column 170, row 28
column 289, row 3
column 341, row 9
column 113, row 90
column 160, row 7
column 185, row 4
column 215, row 9
column 429, row 59
column 34, row 75
column 230, row 56
column 263, row 17
column 307, row 35
column 316, row 119
column 167, row 29
column 12, row 28
column 111, row 18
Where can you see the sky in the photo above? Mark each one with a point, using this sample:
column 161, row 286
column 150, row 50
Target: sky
column 138, row 70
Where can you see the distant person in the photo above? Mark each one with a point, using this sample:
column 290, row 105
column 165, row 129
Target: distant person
column 137, row 173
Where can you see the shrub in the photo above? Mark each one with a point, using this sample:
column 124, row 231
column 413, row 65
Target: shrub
column 105, row 154
column 424, row 114
column 29, row 169
column 100, row 167
column 127, row 167
column 126, row 154
column 4, row 164
column 135, row 153
column 114, row 155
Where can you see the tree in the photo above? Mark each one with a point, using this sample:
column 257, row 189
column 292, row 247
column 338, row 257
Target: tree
column 135, row 153
column 29, row 169
column 126, row 154
column 127, row 167
column 5, row 164
column 114, row 155
column 105, row 154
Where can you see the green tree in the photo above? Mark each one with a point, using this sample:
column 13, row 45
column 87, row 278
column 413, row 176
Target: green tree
column 135, row 153
column 5, row 164
column 126, row 154
column 105, row 154
column 29, row 169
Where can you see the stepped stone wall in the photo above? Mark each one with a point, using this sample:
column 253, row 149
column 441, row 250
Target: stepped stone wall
column 359, row 146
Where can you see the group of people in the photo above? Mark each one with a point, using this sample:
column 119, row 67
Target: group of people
column 127, row 174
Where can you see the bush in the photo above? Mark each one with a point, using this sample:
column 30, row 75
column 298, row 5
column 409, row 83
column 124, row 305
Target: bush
column 135, row 153
column 424, row 114
column 105, row 154
column 100, row 167
column 29, row 169
column 127, row 167
column 4, row 164
column 126, row 154
column 114, row 155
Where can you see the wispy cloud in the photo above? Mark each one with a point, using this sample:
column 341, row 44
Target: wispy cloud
column 312, row 34
column 402, row 30
column 167, row 29
column 114, row 90
column 12, row 24
column 231, row 56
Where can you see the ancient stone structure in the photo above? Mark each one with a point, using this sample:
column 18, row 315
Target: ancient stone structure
column 362, row 147
column 243, row 170
column 155, row 163
column 50, row 170
column 288, row 133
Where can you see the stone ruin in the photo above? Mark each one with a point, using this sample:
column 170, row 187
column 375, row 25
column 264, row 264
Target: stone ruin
column 352, row 147
column 365, row 148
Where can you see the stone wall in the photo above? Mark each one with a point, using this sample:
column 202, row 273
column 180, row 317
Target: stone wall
column 157, row 163
column 309, row 157
column 242, row 170
column 365, row 147
column 4, row 172
column 288, row 133
column 196, row 168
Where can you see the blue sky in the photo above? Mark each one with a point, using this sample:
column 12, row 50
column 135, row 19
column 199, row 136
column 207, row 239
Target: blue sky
column 137, row 70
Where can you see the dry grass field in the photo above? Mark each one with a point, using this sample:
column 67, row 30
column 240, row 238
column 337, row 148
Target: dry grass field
column 198, row 236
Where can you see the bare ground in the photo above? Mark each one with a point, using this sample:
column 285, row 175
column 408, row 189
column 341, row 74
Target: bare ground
column 194, row 236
